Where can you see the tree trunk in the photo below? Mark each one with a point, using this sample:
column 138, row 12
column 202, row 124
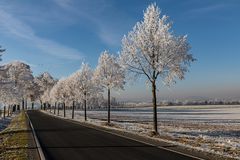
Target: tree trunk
column 85, row 106
column 32, row 105
column 26, row 104
column 8, row 111
column 58, row 109
column 64, row 110
column 50, row 108
column 154, row 101
column 14, row 108
column 73, row 107
column 23, row 104
column 4, row 112
column 41, row 104
column 109, row 105
column 55, row 108
column 11, row 110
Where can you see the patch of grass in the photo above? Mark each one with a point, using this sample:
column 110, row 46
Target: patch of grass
column 14, row 139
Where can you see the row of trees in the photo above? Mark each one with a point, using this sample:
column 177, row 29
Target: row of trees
column 200, row 102
column 86, row 86
column 19, row 85
column 151, row 49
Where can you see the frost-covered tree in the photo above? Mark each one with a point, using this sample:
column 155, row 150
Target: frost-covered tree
column 70, row 89
column 19, row 73
column 55, row 92
column 16, row 83
column 59, row 93
column 77, row 88
column 1, row 51
column 9, row 95
column 82, row 80
column 34, row 92
column 45, row 83
column 152, row 49
column 2, row 70
column 20, row 76
column 109, row 74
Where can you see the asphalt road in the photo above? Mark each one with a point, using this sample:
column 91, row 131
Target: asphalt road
column 61, row 139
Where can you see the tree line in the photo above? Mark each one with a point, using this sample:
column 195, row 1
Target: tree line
column 150, row 49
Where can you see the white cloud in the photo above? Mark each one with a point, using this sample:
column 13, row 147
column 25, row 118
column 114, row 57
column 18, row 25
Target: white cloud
column 208, row 8
column 92, row 11
column 13, row 26
column 64, row 3
column 109, row 37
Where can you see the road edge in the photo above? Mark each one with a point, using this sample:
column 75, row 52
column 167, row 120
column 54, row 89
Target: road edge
column 39, row 148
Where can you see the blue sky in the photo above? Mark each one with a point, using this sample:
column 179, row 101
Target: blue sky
column 57, row 35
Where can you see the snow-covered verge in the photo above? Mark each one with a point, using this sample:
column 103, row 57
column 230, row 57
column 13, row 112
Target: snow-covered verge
column 196, row 127
column 5, row 122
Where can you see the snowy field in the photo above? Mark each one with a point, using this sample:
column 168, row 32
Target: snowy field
column 213, row 128
column 199, row 113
